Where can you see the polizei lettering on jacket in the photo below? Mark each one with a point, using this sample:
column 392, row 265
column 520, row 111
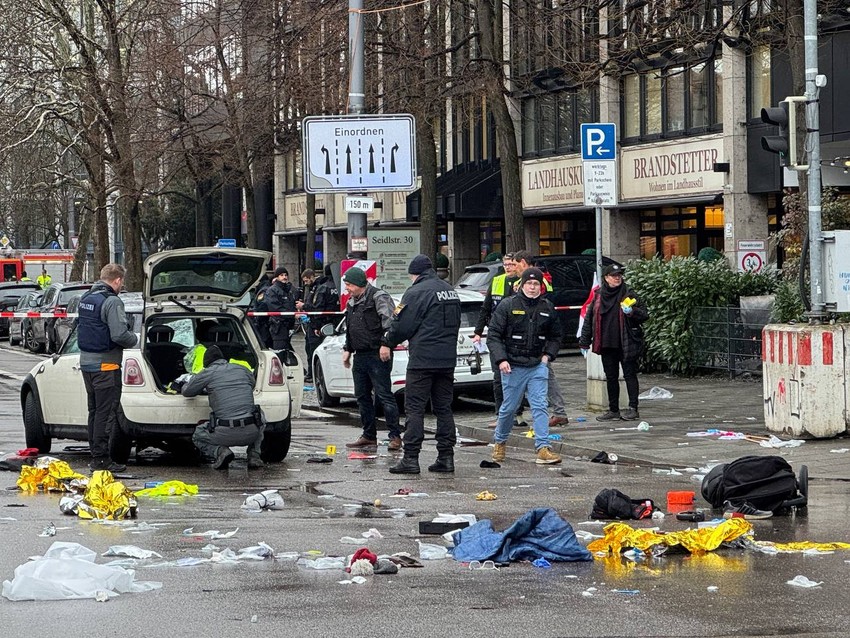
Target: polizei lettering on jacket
column 447, row 295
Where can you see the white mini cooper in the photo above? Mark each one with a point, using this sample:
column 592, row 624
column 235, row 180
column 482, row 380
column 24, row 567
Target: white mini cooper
column 191, row 296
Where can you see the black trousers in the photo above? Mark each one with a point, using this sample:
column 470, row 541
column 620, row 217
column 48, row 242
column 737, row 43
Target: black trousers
column 104, row 395
column 436, row 384
column 612, row 359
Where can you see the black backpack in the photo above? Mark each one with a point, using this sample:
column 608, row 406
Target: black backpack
column 765, row 482
column 610, row 503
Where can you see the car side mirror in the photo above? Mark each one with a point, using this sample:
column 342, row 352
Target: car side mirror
column 54, row 358
column 327, row 330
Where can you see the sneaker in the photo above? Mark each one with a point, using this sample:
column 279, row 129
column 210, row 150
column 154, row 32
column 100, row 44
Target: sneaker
column 545, row 456
column 609, row 416
column 361, row 443
column 499, row 452
column 630, row 415
column 555, row 421
column 223, row 458
column 746, row 511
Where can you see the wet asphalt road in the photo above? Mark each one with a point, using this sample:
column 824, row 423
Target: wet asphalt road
column 442, row 599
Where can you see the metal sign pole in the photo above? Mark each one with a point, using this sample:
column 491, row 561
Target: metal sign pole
column 813, row 83
column 599, row 241
column 356, row 104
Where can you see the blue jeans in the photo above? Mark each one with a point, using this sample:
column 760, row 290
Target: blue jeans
column 370, row 373
column 534, row 383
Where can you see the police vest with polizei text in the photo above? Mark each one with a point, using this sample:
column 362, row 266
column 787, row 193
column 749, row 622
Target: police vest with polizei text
column 93, row 333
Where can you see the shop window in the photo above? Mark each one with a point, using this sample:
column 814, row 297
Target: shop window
column 551, row 121
column 489, row 238
column 698, row 96
column 674, row 93
column 714, row 217
column 547, row 132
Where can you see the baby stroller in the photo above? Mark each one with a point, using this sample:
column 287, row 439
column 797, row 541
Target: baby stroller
column 765, row 482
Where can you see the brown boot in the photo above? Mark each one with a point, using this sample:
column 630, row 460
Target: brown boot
column 362, row 443
column 395, row 444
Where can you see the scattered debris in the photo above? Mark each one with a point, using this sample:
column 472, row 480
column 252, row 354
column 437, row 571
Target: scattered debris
column 802, row 581
column 655, row 393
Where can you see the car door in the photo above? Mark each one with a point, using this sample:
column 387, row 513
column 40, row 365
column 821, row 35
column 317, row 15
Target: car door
column 47, row 304
column 60, row 376
column 338, row 378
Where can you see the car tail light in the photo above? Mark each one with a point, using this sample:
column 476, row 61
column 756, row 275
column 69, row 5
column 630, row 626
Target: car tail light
column 133, row 373
column 276, row 372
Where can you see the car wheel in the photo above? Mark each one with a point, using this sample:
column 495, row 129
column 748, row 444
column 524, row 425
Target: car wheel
column 120, row 441
column 30, row 343
column 276, row 440
column 13, row 341
column 325, row 400
column 34, row 430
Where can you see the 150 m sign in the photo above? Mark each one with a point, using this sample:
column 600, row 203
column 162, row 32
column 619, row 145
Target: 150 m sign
column 359, row 153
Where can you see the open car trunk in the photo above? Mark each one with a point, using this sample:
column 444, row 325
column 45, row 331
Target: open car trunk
column 168, row 339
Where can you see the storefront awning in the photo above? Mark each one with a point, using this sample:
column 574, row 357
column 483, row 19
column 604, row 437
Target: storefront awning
column 468, row 191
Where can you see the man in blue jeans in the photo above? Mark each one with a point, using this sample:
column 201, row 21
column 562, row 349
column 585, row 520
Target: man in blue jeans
column 523, row 337
column 368, row 315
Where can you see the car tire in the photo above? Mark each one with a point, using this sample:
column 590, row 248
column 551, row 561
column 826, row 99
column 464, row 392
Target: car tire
column 30, row 343
column 276, row 440
column 325, row 400
column 34, row 430
column 13, row 342
column 120, row 441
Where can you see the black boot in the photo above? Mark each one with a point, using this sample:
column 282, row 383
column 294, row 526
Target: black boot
column 445, row 464
column 407, row 465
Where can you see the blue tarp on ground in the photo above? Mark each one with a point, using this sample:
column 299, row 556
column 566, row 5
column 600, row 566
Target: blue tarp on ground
column 539, row 532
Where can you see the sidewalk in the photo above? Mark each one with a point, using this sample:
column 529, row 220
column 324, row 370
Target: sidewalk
column 698, row 404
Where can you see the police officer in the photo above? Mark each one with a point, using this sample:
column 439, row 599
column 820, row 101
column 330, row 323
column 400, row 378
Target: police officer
column 524, row 337
column 368, row 315
column 102, row 335
column 320, row 295
column 281, row 297
column 261, row 324
column 428, row 318
column 234, row 419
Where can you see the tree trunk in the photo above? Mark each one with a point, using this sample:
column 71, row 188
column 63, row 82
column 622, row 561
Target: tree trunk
column 310, row 249
column 81, row 251
column 426, row 157
column 489, row 27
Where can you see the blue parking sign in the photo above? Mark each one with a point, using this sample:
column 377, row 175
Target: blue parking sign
column 598, row 142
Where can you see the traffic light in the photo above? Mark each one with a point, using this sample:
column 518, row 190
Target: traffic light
column 782, row 144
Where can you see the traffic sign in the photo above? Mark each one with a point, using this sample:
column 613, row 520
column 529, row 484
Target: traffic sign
column 752, row 261
column 226, row 243
column 4, row 241
column 359, row 204
column 359, row 153
column 598, row 142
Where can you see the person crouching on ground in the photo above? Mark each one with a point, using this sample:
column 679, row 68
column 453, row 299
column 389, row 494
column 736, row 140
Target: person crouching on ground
column 234, row 420
column 524, row 336
column 613, row 326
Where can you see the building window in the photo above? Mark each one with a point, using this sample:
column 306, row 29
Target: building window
column 759, row 80
column 672, row 102
column 680, row 230
column 551, row 121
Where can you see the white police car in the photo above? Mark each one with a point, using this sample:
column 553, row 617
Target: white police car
column 333, row 381
column 191, row 296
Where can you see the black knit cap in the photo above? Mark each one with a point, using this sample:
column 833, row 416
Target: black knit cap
column 420, row 264
column 213, row 353
column 280, row 270
column 532, row 274
column 356, row 277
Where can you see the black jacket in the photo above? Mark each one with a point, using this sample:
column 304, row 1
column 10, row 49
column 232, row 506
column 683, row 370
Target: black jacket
column 428, row 318
column 367, row 319
column 280, row 297
column 631, row 332
column 322, row 296
column 501, row 287
column 522, row 330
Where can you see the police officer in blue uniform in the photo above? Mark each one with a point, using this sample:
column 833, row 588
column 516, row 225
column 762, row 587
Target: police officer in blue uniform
column 428, row 318
column 102, row 335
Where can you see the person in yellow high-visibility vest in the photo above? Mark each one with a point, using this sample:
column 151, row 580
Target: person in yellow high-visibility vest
column 43, row 280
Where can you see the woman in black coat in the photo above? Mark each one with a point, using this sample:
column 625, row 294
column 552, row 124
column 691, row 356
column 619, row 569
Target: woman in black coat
column 613, row 326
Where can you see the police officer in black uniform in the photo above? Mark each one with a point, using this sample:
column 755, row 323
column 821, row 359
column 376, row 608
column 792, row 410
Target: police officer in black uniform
column 102, row 335
column 428, row 318
column 320, row 295
column 281, row 297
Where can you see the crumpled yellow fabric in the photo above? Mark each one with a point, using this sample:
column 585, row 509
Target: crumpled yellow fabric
column 619, row 536
column 802, row 546
column 485, row 496
column 52, row 477
column 170, row 488
column 105, row 498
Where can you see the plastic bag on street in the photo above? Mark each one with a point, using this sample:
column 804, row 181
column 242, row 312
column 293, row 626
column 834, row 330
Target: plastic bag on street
column 130, row 551
column 325, row 562
column 656, row 393
column 265, row 500
column 429, row 551
column 68, row 571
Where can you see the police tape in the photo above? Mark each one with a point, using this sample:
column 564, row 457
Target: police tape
column 37, row 315
column 73, row 315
